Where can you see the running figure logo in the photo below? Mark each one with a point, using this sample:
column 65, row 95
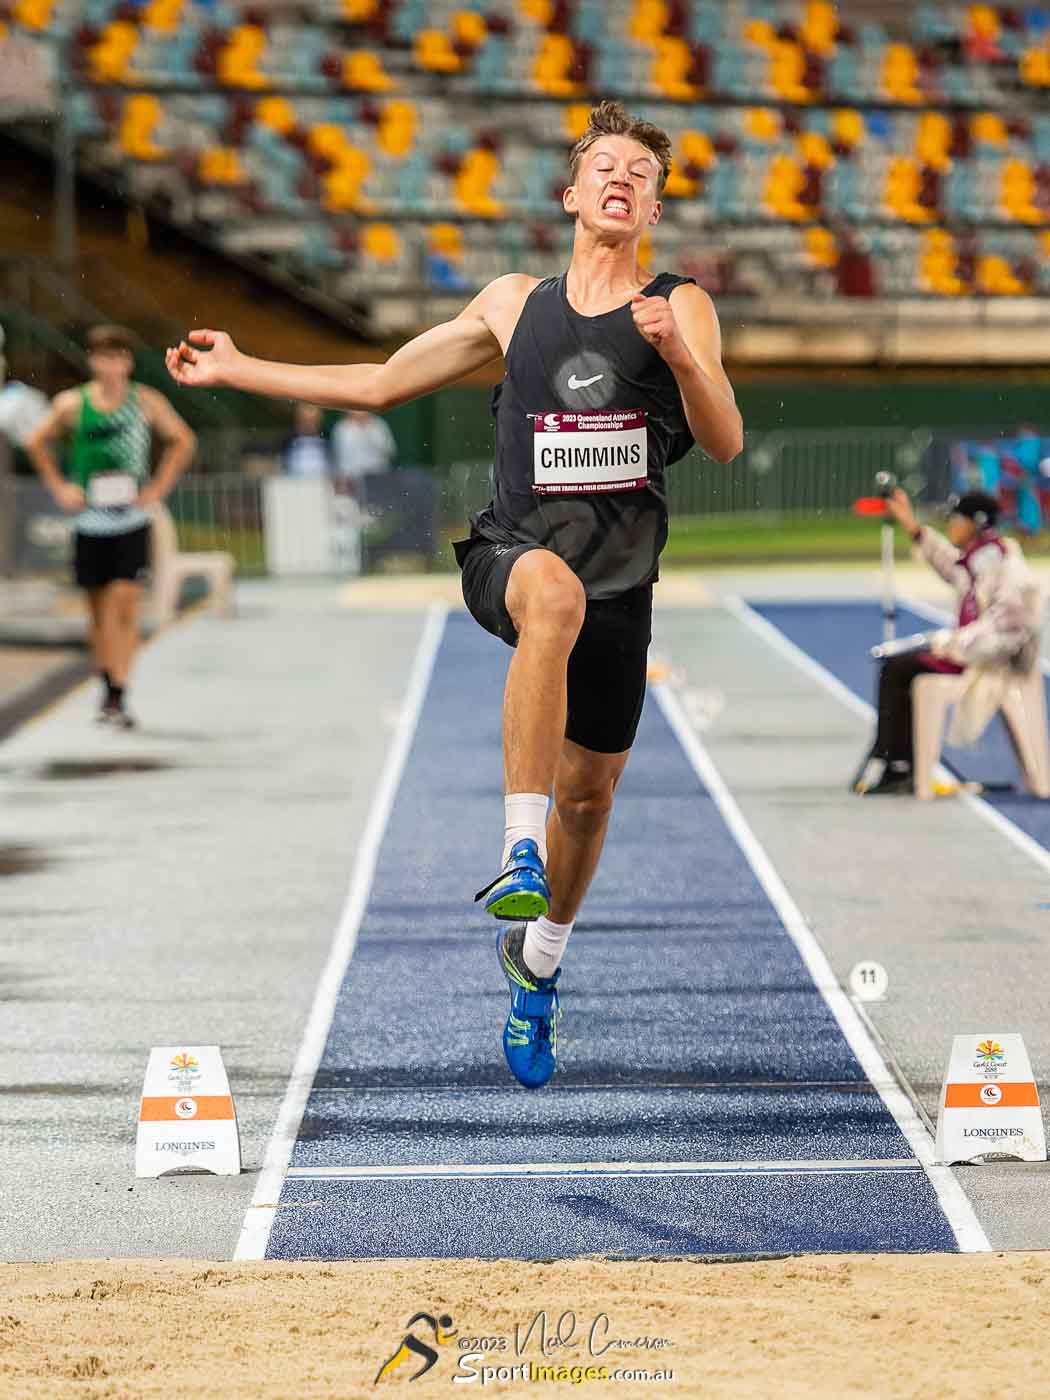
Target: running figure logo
column 412, row 1346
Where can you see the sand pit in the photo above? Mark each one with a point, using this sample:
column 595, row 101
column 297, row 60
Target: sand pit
column 827, row 1326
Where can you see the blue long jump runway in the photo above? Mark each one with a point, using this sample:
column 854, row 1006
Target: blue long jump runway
column 839, row 635
column 706, row 1102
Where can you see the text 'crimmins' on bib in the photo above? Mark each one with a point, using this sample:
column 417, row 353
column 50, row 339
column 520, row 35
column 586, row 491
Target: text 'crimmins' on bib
column 579, row 452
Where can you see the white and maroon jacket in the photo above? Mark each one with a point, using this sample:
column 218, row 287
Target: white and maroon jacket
column 1000, row 615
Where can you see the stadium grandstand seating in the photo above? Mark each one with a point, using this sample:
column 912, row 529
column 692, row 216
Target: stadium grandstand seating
column 380, row 149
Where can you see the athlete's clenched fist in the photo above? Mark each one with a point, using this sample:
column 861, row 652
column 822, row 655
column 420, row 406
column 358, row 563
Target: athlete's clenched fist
column 655, row 320
column 188, row 367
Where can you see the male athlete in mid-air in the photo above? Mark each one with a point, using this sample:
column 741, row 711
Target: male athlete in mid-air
column 610, row 374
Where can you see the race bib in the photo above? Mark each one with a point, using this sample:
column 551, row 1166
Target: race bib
column 576, row 452
column 108, row 490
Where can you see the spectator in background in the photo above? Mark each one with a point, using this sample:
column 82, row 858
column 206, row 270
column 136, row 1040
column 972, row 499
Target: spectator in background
column 1000, row 610
column 363, row 443
column 306, row 452
column 21, row 407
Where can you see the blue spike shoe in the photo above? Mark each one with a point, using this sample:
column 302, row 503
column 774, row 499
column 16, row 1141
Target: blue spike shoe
column 520, row 890
column 530, row 1037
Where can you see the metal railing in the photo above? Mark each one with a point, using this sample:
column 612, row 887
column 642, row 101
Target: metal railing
column 781, row 473
column 778, row 476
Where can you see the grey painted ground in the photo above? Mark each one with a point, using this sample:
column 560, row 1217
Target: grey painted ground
column 198, row 901
column 194, row 902
column 951, row 909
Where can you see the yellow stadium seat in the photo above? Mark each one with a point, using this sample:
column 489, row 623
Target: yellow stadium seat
column 678, row 185
column 473, row 184
column 989, row 128
column 783, row 185
column 648, row 20
column 847, row 127
column 787, row 71
column 645, row 249
column 33, row 14
column 237, row 64
column 162, row 16
column 138, row 121
column 381, row 242
column 277, row 113
column 697, row 149
column 341, row 186
column 900, row 74
column 983, row 21
column 446, row 240
column 433, row 52
column 359, row 11
column 1018, row 190
column 109, row 58
column 363, row 72
column 995, row 277
column 760, row 33
column 939, row 264
column 813, row 149
column 762, row 123
column 821, row 247
column 220, row 165
column 551, row 67
column 819, row 27
column 671, row 67
column 469, row 27
column 396, row 133
column 933, row 140
column 1034, row 67
column 328, row 140
column 903, row 184
column 577, row 115
column 539, row 11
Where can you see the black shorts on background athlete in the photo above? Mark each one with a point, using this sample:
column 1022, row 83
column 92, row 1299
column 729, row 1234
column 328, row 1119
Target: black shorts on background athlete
column 607, row 667
column 102, row 559
column 588, row 417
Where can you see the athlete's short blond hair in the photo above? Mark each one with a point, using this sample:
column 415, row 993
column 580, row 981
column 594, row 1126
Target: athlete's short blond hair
column 612, row 119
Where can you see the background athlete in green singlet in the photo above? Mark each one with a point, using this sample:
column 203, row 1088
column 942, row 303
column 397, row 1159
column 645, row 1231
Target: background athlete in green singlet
column 106, row 425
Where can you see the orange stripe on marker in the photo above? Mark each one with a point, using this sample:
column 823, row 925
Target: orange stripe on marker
column 209, row 1108
column 969, row 1096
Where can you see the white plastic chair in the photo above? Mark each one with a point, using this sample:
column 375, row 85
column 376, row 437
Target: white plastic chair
column 1023, row 710
column 171, row 569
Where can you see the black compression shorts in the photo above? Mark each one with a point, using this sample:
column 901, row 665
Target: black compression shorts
column 102, row 559
column 607, row 667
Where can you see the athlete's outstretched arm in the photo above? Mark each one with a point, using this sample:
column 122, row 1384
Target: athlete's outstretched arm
column 685, row 331
column 438, row 357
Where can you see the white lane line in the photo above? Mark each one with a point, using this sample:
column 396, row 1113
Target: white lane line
column 832, row 1166
column 258, row 1219
column 787, row 648
column 957, row 1208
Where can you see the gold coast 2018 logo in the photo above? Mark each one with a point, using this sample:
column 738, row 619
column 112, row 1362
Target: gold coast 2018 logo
column 413, row 1349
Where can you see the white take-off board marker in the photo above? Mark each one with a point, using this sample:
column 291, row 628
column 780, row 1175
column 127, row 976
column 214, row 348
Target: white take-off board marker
column 187, row 1121
column 989, row 1103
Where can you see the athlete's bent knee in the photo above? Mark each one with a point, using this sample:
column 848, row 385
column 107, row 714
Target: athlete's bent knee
column 585, row 812
column 548, row 597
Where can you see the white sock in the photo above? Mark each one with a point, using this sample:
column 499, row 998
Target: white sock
column 545, row 945
column 526, row 819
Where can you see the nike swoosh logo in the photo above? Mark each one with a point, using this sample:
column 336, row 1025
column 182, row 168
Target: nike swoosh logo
column 575, row 383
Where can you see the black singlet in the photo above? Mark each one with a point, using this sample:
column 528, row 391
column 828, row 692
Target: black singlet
column 587, row 418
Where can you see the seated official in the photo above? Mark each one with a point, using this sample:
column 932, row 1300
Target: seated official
column 997, row 634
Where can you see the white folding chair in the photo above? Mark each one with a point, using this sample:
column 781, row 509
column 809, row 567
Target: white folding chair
column 1023, row 710
column 171, row 569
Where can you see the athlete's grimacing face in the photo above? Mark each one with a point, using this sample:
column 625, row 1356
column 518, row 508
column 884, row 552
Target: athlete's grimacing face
column 616, row 188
